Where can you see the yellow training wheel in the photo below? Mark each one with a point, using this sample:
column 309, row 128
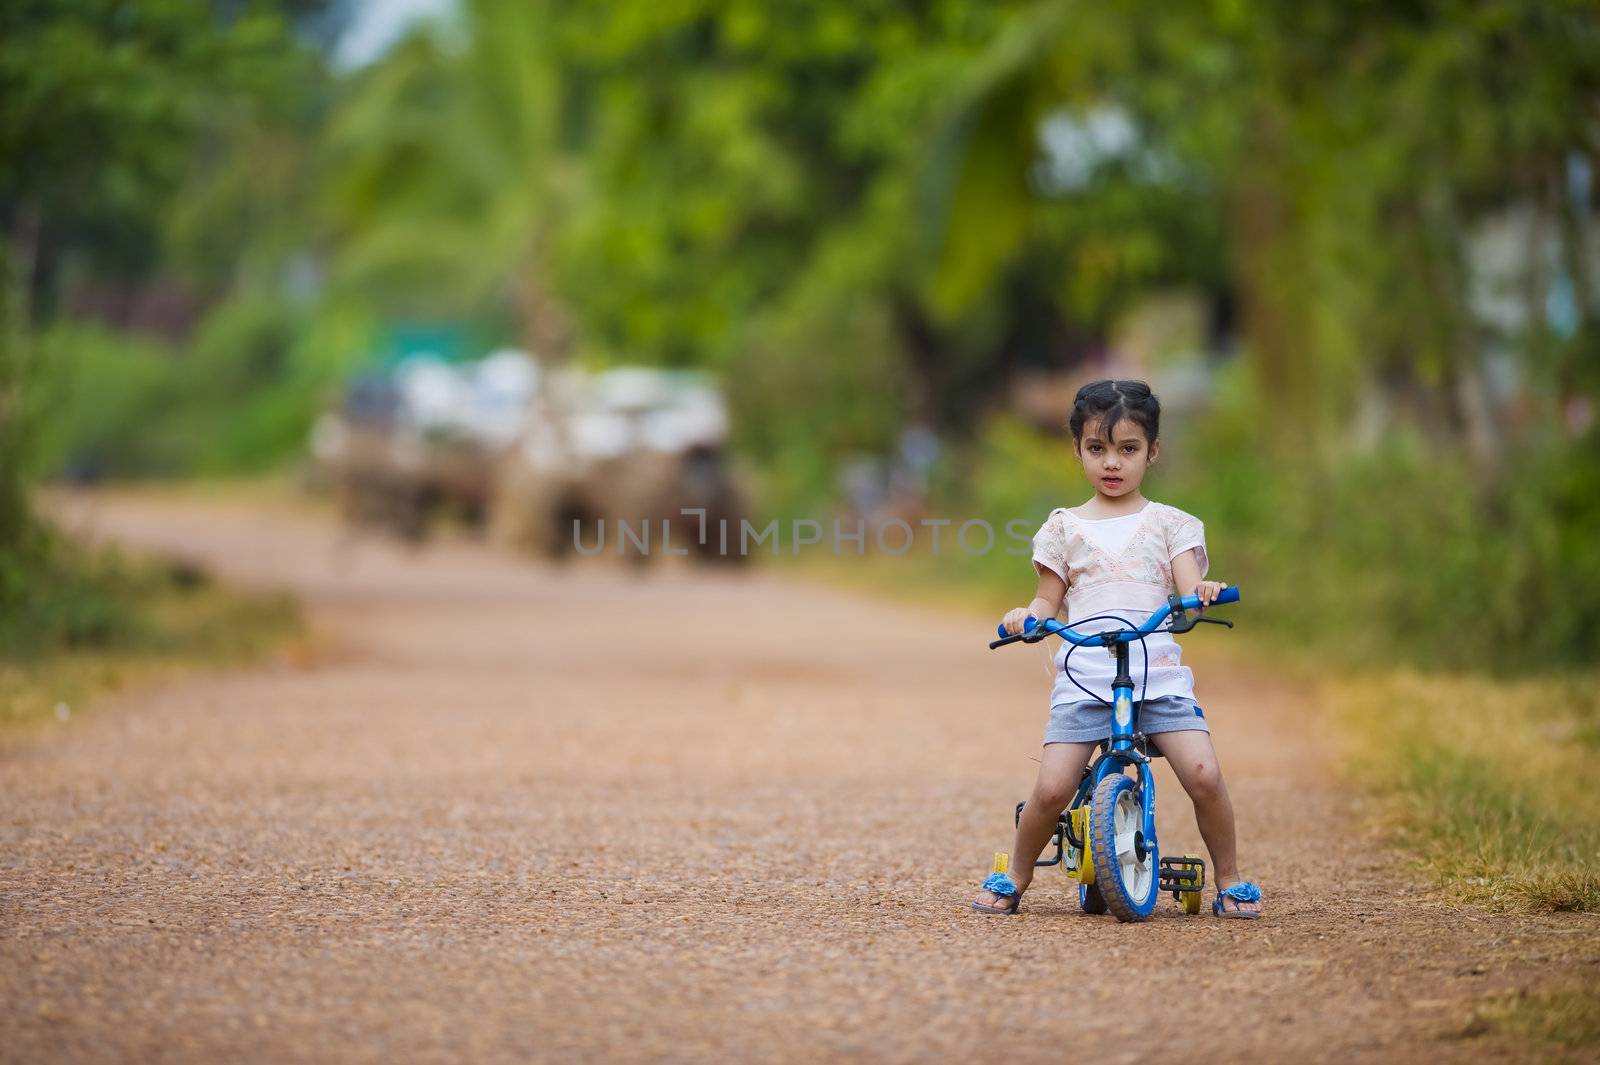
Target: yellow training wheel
column 1080, row 826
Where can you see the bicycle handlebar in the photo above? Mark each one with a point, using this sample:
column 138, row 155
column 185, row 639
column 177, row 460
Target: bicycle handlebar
column 1033, row 630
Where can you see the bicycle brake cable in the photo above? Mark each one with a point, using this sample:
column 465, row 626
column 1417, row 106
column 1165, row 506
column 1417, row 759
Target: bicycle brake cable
column 1066, row 663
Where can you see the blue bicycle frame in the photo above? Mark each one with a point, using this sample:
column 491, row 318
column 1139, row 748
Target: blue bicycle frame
column 1121, row 749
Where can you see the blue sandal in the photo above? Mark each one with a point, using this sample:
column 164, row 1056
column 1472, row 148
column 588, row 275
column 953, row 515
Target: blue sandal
column 1243, row 891
column 1006, row 888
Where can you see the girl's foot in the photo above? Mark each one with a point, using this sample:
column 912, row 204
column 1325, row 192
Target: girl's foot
column 994, row 902
column 1233, row 905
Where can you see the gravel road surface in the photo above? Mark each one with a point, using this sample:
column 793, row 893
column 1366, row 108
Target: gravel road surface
column 513, row 814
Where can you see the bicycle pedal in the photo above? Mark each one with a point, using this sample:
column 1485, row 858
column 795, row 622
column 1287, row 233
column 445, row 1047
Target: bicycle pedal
column 1182, row 873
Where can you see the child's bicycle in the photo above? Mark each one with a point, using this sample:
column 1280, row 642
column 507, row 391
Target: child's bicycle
column 1106, row 839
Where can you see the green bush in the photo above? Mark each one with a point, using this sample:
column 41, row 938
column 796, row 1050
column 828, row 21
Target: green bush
column 80, row 599
column 231, row 400
column 70, row 600
column 107, row 405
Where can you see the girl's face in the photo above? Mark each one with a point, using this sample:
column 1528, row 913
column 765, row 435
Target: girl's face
column 1116, row 467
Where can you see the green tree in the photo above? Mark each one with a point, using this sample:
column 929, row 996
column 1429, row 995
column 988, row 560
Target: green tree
column 448, row 173
column 101, row 104
column 1348, row 149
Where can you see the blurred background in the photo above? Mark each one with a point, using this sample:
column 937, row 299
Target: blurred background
column 503, row 264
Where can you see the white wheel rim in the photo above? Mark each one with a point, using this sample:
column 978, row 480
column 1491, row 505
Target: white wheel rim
column 1127, row 820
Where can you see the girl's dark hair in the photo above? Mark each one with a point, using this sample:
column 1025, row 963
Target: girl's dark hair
column 1109, row 402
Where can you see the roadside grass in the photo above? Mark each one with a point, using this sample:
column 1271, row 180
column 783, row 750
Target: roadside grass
column 1485, row 783
column 1567, row 1018
column 98, row 621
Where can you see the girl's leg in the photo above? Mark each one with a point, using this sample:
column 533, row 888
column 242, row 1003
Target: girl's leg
column 1194, row 761
column 1060, row 770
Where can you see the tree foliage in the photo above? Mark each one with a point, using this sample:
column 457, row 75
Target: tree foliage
column 104, row 105
column 866, row 215
column 1347, row 151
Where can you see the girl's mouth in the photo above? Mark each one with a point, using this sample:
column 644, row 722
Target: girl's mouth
column 1111, row 482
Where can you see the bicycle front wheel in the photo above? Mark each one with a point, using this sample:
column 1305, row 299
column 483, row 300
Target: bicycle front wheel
column 1124, row 861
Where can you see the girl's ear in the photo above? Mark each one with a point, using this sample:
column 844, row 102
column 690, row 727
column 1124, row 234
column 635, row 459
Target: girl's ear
column 1155, row 451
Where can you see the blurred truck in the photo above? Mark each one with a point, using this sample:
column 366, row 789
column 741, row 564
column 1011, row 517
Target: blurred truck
column 632, row 447
column 422, row 439
column 545, row 461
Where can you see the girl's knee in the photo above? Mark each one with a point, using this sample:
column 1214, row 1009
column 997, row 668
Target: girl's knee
column 1203, row 781
column 1051, row 796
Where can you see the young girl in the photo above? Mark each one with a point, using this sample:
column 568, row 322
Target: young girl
column 1120, row 553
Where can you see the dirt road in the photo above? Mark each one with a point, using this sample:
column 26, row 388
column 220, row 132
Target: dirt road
column 521, row 815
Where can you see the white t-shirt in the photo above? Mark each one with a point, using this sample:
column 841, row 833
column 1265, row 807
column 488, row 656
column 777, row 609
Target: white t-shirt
column 1120, row 566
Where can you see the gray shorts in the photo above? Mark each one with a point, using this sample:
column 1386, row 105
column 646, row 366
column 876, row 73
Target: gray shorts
column 1090, row 722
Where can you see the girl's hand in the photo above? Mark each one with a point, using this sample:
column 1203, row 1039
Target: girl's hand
column 1015, row 620
column 1208, row 591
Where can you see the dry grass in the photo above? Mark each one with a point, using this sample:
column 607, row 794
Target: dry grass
column 1566, row 1019
column 1485, row 783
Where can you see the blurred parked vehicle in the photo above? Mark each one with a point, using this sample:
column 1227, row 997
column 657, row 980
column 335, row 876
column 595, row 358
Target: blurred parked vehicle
column 541, row 460
column 633, row 446
column 422, row 439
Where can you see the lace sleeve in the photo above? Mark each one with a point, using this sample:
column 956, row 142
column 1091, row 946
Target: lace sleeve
column 1050, row 547
column 1185, row 532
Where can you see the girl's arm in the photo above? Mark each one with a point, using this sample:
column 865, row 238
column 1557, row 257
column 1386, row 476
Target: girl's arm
column 1046, row 602
column 1186, row 578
